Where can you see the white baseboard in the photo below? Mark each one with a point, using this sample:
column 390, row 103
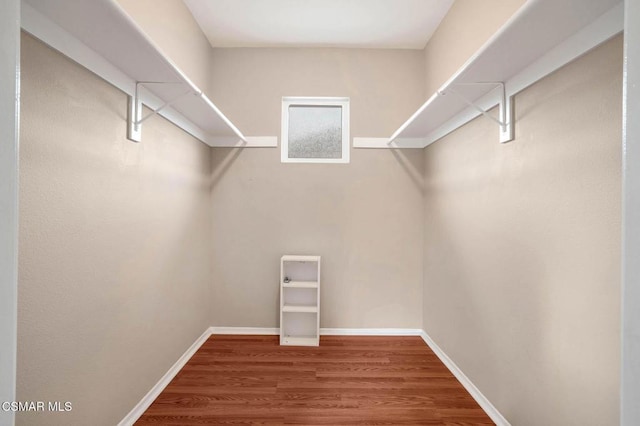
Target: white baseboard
column 148, row 399
column 245, row 330
column 484, row 403
column 323, row 331
column 370, row 331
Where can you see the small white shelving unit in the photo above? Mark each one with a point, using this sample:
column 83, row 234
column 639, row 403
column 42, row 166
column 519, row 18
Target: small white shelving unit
column 300, row 300
column 103, row 38
column 541, row 37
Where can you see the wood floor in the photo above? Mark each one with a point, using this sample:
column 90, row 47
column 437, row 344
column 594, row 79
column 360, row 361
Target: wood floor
column 252, row 380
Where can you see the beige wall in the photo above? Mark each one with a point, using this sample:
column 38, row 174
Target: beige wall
column 465, row 28
column 174, row 30
column 522, row 248
column 363, row 218
column 385, row 86
column 114, row 245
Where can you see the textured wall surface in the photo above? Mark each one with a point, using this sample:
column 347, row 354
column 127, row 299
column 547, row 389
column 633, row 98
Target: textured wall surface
column 522, row 248
column 385, row 86
column 114, row 245
column 363, row 218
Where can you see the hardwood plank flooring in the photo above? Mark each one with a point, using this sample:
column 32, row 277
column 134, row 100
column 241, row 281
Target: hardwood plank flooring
column 348, row 380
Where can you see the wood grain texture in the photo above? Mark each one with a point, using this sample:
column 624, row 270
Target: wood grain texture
column 348, row 380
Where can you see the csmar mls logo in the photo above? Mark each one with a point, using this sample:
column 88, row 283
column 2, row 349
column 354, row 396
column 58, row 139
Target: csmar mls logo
column 58, row 406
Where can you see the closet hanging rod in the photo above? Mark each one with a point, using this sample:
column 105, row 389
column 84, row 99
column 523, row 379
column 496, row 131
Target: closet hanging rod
column 161, row 107
column 541, row 37
column 174, row 68
column 503, row 121
column 103, row 38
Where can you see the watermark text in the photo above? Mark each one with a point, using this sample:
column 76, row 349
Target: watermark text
column 35, row 406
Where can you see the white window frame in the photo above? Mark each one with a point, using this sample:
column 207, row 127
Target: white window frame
column 315, row 101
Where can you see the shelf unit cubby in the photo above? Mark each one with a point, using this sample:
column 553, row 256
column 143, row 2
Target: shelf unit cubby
column 300, row 300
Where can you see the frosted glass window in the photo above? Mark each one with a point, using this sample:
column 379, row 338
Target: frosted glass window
column 315, row 132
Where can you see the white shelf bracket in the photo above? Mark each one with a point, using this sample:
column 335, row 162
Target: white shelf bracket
column 134, row 111
column 506, row 111
column 507, row 129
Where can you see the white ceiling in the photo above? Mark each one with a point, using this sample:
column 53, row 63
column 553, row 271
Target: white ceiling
column 398, row 24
